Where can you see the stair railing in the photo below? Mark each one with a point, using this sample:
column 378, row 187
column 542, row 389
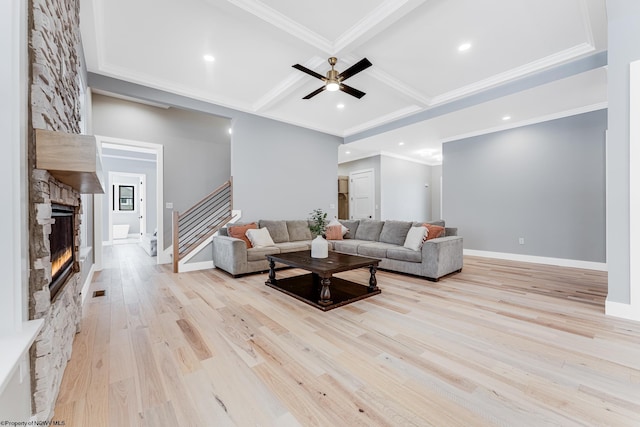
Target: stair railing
column 201, row 221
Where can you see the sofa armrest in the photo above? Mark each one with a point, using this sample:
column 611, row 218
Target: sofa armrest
column 450, row 231
column 229, row 254
column 441, row 256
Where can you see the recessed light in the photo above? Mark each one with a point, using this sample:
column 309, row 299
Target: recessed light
column 464, row 46
column 209, row 58
column 230, row 131
column 347, row 152
column 400, row 143
column 505, row 118
column 340, row 106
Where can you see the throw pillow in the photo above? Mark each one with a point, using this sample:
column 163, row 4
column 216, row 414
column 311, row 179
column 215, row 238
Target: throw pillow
column 434, row 231
column 334, row 232
column 415, row 238
column 240, row 231
column 260, row 237
column 334, row 221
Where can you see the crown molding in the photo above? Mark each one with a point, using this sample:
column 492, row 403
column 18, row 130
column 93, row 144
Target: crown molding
column 408, row 91
column 148, row 81
column 284, row 23
column 536, row 120
column 501, row 78
column 285, row 86
column 372, row 21
column 101, row 46
column 395, row 115
column 586, row 21
column 409, row 159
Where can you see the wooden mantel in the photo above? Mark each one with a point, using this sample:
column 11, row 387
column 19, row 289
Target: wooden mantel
column 71, row 159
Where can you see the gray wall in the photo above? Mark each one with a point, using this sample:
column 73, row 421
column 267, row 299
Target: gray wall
column 544, row 182
column 436, row 192
column 403, row 192
column 282, row 171
column 196, row 146
column 624, row 32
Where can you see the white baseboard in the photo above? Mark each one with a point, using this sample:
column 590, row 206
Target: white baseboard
column 87, row 283
column 622, row 310
column 193, row 266
column 561, row 262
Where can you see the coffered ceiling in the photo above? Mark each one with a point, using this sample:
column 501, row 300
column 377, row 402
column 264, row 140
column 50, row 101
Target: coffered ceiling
column 413, row 45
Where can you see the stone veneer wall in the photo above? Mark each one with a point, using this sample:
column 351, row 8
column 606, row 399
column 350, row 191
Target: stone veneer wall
column 55, row 70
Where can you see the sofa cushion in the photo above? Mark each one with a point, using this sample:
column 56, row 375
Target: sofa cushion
column 352, row 226
column 375, row 249
column 395, row 232
column 259, row 238
column 258, row 254
column 415, row 238
column 348, row 246
column 404, row 254
column 334, row 232
column 240, row 232
column 369, row 229
column 434, row 231
column 298, row 230
column 293, row 246
column 277, row 230
column 334, row 221
column 439, row 222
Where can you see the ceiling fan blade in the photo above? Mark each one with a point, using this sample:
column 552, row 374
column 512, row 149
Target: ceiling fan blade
column 308, row 71
column 315, row 92
column 351, row 91
column 363, row 64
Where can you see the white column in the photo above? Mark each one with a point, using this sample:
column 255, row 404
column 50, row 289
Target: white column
column 634, row 190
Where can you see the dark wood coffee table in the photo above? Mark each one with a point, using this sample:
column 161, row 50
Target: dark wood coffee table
column 319, row 288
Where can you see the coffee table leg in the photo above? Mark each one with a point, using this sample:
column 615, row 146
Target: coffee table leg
column 272, row 272
column 373, row 282
column 325, row 293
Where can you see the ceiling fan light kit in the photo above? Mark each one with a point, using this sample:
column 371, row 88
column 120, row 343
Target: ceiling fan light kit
column 333, row 80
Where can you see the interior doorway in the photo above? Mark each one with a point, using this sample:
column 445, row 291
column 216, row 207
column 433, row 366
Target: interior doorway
column 154, row 190
column 127, row 207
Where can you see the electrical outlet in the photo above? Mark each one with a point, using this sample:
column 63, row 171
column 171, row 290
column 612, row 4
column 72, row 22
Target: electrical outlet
column 169, row 205
column 332, row 206
column 521, row 240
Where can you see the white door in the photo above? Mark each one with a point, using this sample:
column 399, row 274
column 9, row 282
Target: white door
column 362, row 194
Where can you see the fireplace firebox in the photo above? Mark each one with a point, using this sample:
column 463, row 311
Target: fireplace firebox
column 61, row 244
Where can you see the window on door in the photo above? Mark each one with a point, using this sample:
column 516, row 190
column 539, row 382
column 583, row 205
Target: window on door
column 125, row 197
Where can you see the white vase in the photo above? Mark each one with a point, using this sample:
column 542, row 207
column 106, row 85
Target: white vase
column 319, row 248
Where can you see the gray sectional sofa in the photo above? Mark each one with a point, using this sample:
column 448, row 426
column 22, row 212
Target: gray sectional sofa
column 377, row 239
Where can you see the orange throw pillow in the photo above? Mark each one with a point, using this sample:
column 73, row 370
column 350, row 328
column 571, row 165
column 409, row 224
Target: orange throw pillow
column 240, row 232
column 434, row 231
column 334, row 232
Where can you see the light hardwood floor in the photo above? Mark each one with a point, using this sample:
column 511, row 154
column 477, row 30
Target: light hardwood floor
column 501, row 343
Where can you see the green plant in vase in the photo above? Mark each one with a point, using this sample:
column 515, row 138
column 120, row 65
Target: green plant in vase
column 318, row 225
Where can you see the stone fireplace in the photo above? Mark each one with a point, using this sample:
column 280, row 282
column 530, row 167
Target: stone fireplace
column 58, row 302
column 55, row 90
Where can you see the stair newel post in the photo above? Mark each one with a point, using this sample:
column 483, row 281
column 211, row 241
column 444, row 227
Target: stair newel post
column 176, row 241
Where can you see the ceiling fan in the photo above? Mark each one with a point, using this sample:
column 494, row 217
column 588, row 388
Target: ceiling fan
column 333, row 81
